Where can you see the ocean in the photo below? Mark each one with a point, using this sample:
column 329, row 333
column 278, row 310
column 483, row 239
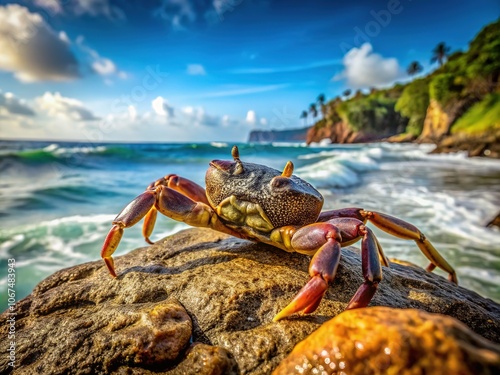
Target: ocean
column 57, row 199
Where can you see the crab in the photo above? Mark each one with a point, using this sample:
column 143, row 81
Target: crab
column 259, row 203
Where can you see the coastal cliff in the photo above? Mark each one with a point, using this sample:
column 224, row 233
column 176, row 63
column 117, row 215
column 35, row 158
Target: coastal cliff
column 457, row 102
column 288, row 135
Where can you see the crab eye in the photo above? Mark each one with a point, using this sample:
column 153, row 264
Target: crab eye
column 280, row 182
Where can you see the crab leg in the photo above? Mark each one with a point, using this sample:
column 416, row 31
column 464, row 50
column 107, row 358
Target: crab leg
column 402, row 229
column 129, row 216
column 372, row 270
column 398, row 228
column 184, row 186
column 323, row 240
column 329, row 236
column 170, row 203
column 351, row 230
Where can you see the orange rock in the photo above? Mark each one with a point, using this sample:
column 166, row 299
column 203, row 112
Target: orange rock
column 382, row 340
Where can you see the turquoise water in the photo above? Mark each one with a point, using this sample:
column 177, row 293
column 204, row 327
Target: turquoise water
column 57, row 200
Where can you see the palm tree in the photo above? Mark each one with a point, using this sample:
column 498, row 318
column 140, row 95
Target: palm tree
column 304, row 115
column 321, row 101
column 439, row 53
column 347, row 92
column 414, row 68
column 313, row 110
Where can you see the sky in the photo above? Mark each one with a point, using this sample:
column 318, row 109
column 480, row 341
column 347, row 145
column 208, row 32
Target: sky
column 206, row 70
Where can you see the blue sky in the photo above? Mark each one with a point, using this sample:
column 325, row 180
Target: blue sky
column 193, row 70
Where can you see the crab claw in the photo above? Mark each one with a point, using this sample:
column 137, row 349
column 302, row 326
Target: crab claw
column 322, row 268
column 108, row 248
column 129, row 216
column 307, row 299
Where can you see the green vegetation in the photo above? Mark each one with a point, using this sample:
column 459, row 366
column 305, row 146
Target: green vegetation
column 413, row 104
column 481, row 117
column 465, row 86
column 373, row 113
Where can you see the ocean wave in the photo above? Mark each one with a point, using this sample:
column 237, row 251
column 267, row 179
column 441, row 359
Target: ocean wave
column 93, row 155
column 219, row 144
column 43, row 248
column 339, row 169
column 288, row 144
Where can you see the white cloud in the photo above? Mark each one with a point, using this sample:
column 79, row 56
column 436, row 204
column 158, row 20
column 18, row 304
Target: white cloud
column 196, row 116
column 100, row 65
column 53, row 6
column 196, row 70
column 64, row 37
column 82, row 7
column 61, row 107
column 31, row 49
column 178, row 13
column 363, row 68
column 57, row 117
column 251, row 117
column 10, row 105
column 104, row 67
column 242, row 91
column 162, row 108
column 132, row 112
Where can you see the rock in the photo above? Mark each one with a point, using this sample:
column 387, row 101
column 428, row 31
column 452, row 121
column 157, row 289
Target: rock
column 382, row 340
column 495, row 222
column 486, row 144
column 436, row 124
column 201, row 359
column 341, row 132
column 401, row 138
column 82, row 321
column 205, row 359
column 286, row 135
column 338, row 132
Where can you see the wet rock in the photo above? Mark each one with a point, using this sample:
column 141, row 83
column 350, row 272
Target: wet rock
column 382, row 340
column 82, row 321
column 205, row 359
column 484, row 144
column 87, row 338
column 495, row 222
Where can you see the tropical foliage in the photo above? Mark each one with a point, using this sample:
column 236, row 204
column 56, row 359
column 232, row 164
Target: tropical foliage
column 465, row 83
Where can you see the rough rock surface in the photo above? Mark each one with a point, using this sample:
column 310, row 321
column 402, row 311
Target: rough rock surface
column 487, row 144
column 342, row 132
column 381, row 340
column 436, row 124
column 495, row 222
column 82, row 321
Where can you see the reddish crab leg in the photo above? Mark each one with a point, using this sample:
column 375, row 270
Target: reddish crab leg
column 329, row 236
column 184, row 186
column 407, row 231
column 149, row 224
column 398, row 228
column 351, row 232
column 324, row 238
column 372, row 270
column 129, row 216
column 170, row 203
